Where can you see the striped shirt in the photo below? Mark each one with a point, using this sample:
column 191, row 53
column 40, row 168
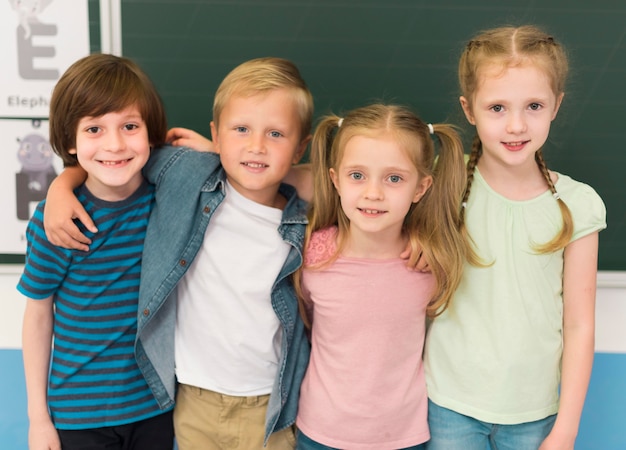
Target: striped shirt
column 94, row 379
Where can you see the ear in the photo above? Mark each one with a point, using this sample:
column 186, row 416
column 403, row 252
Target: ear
column 333, row 178
column 72, row 151
column 559, row 100
column 422, row 187
column 467, row 110
column 301, row 149
column 214, row 137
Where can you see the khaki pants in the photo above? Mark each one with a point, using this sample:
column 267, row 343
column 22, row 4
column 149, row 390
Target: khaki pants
column 207, row 420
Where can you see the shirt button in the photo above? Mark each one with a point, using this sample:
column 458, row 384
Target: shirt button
column 183, row 262
column 206, row 210
column 146, row 312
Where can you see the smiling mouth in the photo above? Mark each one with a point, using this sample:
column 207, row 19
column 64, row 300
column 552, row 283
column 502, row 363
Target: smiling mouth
column 371, row 211
column 254, row 165
column 516, row 144
column 114, row 163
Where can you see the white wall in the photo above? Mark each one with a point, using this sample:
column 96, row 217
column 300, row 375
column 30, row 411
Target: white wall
column 610, row 310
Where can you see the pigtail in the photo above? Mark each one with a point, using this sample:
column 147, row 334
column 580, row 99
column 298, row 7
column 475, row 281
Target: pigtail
column 567, row 230
column 324, row 208
column 475, row 154
column 438, row 218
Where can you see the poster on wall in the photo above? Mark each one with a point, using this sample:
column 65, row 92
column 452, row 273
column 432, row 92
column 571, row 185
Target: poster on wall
column 28, row 167
column 40, row 39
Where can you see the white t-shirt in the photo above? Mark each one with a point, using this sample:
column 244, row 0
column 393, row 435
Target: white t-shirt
column 495, row 353
column 228, row 337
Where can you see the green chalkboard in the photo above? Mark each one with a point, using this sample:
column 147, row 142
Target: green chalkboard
column 353, row 52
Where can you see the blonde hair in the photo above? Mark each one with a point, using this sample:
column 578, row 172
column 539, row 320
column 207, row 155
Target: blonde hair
column 263, row 75
column 511, row 47
column 432, row 224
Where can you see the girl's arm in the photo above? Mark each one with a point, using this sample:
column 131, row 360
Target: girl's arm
column 184, row 137
column 62, row 206
column 36, row 348
column 579, row 297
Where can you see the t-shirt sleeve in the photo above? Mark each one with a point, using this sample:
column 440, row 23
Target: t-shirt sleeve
column 588, row 211
column 45, row 265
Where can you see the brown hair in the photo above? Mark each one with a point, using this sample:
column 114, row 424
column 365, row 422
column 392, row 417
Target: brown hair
column 263, row 75
column 510, row 47
column 96, row 85
column 431, row 224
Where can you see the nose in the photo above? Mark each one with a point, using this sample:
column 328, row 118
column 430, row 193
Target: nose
column 257, row 143
column 516, row 123
column 114, row 141
column 374, row 190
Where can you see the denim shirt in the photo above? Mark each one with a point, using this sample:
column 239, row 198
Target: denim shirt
column 189, row 188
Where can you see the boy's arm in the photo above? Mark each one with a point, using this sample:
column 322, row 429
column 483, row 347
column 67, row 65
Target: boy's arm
column 36, row 349
column 301, row 178
column 62, row 206
column 184, row 137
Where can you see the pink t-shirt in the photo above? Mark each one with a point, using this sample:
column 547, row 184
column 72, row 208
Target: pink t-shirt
column 364, row 387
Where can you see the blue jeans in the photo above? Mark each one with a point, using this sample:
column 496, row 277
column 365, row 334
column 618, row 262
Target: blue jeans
column 306, row 443
column 450, row 430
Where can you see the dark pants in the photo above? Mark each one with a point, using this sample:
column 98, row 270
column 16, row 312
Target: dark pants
column 155, row 433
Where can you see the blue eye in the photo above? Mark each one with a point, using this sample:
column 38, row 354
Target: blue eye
column 395, row 178
column 241, row 129
column 275, row 134
column 356, row 176
column 497, row 108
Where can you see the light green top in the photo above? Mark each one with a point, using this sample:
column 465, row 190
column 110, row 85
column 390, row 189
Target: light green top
column 495, row 353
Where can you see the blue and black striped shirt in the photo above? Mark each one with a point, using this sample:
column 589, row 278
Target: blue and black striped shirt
column 94, row 380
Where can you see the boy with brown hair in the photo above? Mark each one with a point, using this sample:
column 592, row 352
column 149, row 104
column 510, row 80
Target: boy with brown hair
column 218, row 312
column 105, row 114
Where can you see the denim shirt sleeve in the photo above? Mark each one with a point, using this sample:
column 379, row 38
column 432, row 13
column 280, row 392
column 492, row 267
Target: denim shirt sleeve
column 162, row 159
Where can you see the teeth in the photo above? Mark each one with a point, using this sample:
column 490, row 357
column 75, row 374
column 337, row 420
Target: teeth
column 255, row 165
column 372, row 211
column 113, row 163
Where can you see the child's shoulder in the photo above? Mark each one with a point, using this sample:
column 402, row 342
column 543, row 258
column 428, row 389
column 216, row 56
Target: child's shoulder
column 321, row 246
column 584, row 202
column 574, row 190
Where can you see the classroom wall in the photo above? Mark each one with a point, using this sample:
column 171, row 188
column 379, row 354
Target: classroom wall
column 356, row 51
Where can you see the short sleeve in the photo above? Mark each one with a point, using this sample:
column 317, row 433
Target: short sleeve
column 587, row 208
column 321, row 247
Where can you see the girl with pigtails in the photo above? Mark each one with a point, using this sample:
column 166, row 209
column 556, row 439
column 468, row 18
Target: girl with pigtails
column 520, row 327
column 376, row 192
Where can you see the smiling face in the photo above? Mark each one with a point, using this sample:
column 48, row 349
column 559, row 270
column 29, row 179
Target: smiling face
column 377, row 183
column 512, row 110
column 113, row 149
column 258, row 139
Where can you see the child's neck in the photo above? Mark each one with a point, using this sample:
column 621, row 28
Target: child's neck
column 516, row 183
column 374, row 245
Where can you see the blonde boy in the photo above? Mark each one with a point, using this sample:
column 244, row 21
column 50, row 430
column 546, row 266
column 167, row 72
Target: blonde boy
column 218, row 314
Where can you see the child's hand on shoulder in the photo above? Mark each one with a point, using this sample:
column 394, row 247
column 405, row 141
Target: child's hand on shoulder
column 415, row 259
column 184, row 137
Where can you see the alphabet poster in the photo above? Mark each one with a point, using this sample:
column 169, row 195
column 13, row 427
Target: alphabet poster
column 40, row 39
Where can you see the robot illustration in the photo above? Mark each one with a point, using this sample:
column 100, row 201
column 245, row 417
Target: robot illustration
column 35, row 156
